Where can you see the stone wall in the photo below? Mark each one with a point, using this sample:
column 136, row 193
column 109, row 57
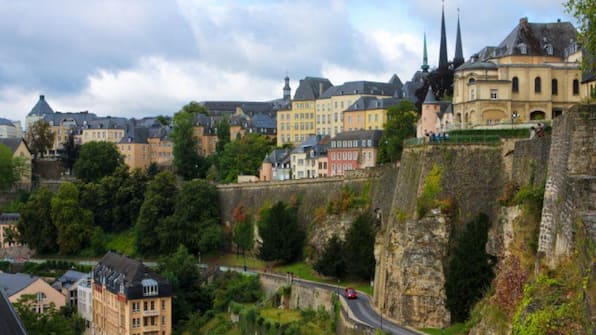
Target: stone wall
column 411, row 252
column 570, row 190
column 530, row 161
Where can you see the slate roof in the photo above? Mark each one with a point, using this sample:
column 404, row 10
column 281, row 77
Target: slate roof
column 136, row 135
column 218, row 108
column 478, row 66
column 311, row 88
column 9, row 217
column 536, row 37
column 368, row 103
column 430, row 97
column 365, row 87
column 277, row 157
column 41, row 108
column 6, row 122
column 410, row 87
column 374, row 135
column 263, row 121
column 69, row 278
column 107, row 122
column 12, row 283
column 79, row 118
column 11, row 143
column 117, row 271
column 9, row 320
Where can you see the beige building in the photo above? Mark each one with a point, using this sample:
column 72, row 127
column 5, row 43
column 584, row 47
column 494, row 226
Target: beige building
column 10, row 129
column 368, row 113
column 142, row 146
column 105, row 129
column 534, row 74
column 19, row 284
column 128, row 298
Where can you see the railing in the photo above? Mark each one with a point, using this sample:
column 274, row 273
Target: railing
column 454, row 139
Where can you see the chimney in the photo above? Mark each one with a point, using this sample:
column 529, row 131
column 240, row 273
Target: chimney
column 320, row 89
column 523, row 21
column 42, row 97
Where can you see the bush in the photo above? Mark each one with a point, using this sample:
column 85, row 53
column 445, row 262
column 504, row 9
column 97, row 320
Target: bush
column 432, row 187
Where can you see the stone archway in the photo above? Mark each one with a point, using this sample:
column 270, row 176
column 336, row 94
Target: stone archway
column 492, row 116
column 537, row 115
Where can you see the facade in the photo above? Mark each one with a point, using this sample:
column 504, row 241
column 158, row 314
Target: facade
column 532, row 75
column 304, row 159
column 19, row 284
column 105, row 129
column 64, row 125
column 128, row 298
column 353, row 150
column 67, row 284
column 8, row 226
column 297, row 123
column 367, row 113
column 85, row 300
column 9, row 129
column 39, row 110
column 143, row 145
column 276, row 166
column 20, row 151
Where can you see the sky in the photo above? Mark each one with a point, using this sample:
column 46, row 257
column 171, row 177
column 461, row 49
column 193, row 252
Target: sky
column 136, row 58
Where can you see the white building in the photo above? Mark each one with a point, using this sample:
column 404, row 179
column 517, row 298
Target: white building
column 85, row 300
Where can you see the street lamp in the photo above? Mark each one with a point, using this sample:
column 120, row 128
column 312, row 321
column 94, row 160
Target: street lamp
column 514, row 117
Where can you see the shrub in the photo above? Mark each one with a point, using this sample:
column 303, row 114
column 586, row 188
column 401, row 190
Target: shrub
column 432, row 188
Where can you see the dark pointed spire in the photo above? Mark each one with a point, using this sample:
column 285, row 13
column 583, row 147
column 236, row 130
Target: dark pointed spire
column 459, row 55
column 287, row 90
column 443, row 63
column 424, row 66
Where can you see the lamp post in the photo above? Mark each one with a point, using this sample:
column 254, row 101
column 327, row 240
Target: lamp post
column 514, row 117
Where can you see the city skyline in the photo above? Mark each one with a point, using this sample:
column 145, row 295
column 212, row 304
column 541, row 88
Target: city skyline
column 131, row 59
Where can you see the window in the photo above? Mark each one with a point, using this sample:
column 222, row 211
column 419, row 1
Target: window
column 523, row 48
column 40, row 296
column 515, row 85
column 555, row 87
column 150, row 288
column 537, row 85
column 471, row 81
column 575, row 87
column 152, row 305
column 493, row 94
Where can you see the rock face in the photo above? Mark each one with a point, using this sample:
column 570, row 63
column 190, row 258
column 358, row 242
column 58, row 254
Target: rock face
column 411, row 253
column 416, row 280
column 570, row 191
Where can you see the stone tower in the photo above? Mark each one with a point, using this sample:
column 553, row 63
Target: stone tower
column 287, row 89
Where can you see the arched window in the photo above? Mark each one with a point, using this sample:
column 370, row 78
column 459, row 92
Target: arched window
column 555, row 87
column 150, row 287
column 515, row 85
column 575, row 87
column 471, row 81
column 537, row 85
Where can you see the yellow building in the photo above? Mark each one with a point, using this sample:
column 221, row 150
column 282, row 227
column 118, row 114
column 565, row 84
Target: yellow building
column 296, row 124
column 105, row 129
column 128, row 298
column 367, row 113
column 534, row 74
column 142, row 146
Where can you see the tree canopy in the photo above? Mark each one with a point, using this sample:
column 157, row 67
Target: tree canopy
column 74, row 224
column 97, row 160
column 585, row 13
column 9, row 171
column 187, row 161
column 401, row 124
column 35, row 227
column 282, row 237
column 40, row 138
column 243, row 156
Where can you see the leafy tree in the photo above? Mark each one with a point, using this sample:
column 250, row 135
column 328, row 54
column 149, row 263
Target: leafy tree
column 470, row 269
column 9, row 173
column 40, row 138
column 51, row 322
column 282, row 237
column 69, row 153
column 332, row 262
column 163, row 120
column 152, row 170
column 74, row 224
column 243, row 156
column 186, row 153
column 401, row 124
column 194, row 107
column 194, row 222
column 585, row 13
column 236, row 287
column 223, row 134
column 35, row 227
column 97, row 160
column 243, row 229
column 359, row 247
column 158, row 205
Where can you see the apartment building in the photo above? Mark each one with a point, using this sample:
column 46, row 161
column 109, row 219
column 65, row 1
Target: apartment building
column 353, row 150
column 367, row 113
column 129, row 298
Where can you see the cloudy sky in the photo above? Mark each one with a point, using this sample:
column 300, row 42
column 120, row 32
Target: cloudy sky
column 138, row 58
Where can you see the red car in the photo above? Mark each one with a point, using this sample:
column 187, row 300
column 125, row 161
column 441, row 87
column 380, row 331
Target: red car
column 350, row 293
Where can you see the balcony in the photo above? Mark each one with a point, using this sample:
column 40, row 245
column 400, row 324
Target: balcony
column 151, row 312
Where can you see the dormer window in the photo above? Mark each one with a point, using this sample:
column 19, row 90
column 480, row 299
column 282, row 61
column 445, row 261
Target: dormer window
column 549, row 49
column 523, row 48
column 150, row 287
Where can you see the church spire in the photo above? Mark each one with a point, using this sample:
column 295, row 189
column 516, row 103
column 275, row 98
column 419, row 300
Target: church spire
column 424, row 66
column 459, row 55
column 287, row 90
column 443, row 64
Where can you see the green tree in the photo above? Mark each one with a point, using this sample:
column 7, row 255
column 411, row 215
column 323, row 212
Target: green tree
column 359, row 247
column 333, row 261
column 585, row 13
column 187, row 160
column 236, row 287
column 470, row 269
column 97, row 160
column 40, row 138
column 74, row 224
column 283, row 238
column 244, row 235
column 9, row 173
column 223, row 134
column 35, row 227
column 243, row 156
column 195, row 221
column 69, row 152
column 401, row 124
column 51, row 322
column 157, row 206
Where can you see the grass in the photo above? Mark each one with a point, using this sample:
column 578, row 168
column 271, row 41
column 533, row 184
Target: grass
column 123, row 242
column 283, row 316
column 455, row 329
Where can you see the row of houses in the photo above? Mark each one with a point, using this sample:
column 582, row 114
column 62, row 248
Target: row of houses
column 121, row 296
